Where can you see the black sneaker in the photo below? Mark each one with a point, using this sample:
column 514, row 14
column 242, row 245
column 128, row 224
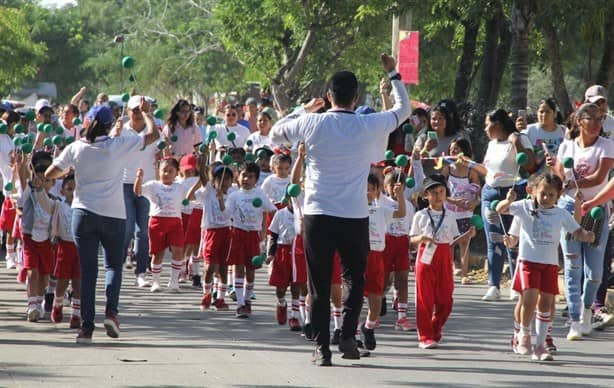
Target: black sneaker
column 48, row 305
column 335, row 338
column 368, row 337
column 348, row 347
column 322, row 356
column 384, row 309
column 196, row 283
column 84, row 337
column 565, row 312
column 308, row 331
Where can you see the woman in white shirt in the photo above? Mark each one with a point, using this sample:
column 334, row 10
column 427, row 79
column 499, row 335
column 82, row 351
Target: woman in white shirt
column 181, row 130
column 99, row 216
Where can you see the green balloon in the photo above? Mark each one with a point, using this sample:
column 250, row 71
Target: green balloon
column 401, row 160
column 185, row 202
column 158, row 113
column 9, row 186
column 477, row 222
column 3, row 128
column 59, row 130
column 389, row 155
column 522, row 159
column 57, row 139
column 262, row 154
column 29, row 139
column 597, row 213
column 202, row 148
column 18, row 128
column 76, row 121
column 249, row 157
column 249, row 143
column 212, row 135
column 568, row 162
column 493, row 205
column 410, row 182
column 293, row 190
column 39, row 127
column 408, row 128
column 30, row 115
column 47, row 128
column 128, row 62
column 69, row 139
column 131, row 78
column 161, row 144
column 284, row 201
column 258, row 260
column 226, row 160
column 47, row 142
column 257, row 202
column 231, row 136
column 125, row 97
column 16, row 141
column 211, row 120
column 27, row 148
column 174, row 138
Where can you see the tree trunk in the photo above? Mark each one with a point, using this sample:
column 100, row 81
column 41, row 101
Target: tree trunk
column 604, row 73
column 503, row 55
column 465, row 66
column 488, row 64
column 519, row 63
column 551, row 39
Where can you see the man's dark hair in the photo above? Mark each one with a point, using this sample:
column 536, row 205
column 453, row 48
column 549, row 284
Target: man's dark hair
column 343, row 87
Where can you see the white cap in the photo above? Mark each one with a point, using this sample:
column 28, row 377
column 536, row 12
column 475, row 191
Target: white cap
column 595, row 93
column 134, row 102
column 40, row 104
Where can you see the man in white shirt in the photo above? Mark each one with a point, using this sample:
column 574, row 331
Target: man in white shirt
column 340, row 145
column 597, row 95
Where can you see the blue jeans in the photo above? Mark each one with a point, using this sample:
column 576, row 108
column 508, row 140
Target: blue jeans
column 581, row 257
column 137, row 226
column 89, row 231
column 496, row 250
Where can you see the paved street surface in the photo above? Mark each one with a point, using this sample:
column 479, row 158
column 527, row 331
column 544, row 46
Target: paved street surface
column 167, row 341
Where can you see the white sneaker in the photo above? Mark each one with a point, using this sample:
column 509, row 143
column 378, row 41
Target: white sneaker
column 155, row 286
column 575, row 332
column 493, row 294
column 141, row 281
column 33, row 313
column 514, row 294
column 10, row 263
column 173, row 286
column 586, row 323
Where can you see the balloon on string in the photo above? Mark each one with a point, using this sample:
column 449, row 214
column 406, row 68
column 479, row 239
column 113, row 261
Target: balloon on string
column 249, row 143
column 522, row 159
column 16, row 141
column 128, row 62
column 389, row 155
column 212, row 135
column 9, row 186
column 125, row 97
column 30, row 115
column 568, row 162
column 257, row 202
column 57, row 139
column 47, row 142
column 76, row 121
column 211, row 120
column 39, row 127
column 174, row 138
column 477, row 222
column 262, row 154
column 407, row 128
column 131, row 78
column 401, row 160
column 26, row 148
column 3, row 128
column 69, row 139
column 226, row 160
column 161, row 144
column 249, row 157
column 293, row 190
column 231, row 136
column 202, row 148
column 47, row 128
column 410, row 182
column 597, row 213
column 258, row 260
column 493, row 205
column 185, row 202
column 59, row 130
column 158, row 113
column 18, row 128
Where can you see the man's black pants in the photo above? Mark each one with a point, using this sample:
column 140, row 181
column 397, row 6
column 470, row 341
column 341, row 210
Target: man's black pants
column 323, row 235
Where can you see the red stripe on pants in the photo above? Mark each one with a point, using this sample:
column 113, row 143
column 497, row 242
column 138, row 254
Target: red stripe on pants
column 434, row 288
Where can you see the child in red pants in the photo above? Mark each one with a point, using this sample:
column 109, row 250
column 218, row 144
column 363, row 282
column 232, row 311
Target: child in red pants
column 436, row 232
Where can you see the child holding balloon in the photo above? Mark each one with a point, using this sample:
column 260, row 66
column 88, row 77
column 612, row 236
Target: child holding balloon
column 247, row 207
column 165, row 227
column 434, row 231
column 537, row 278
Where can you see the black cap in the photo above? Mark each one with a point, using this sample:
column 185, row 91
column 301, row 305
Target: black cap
column 434, row 180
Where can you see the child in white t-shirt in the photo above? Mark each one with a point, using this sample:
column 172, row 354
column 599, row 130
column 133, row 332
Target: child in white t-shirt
column 537, row 278
column 435, row 230
column 274, row 186
column 165, row 227
column 247, row 207
column 380, row 216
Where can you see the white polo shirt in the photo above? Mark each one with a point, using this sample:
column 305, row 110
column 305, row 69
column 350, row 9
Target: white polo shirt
column 340, row 146
column 98, row 172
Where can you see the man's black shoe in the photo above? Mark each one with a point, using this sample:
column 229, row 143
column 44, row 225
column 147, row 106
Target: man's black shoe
column 348, row 347
column 322, row 356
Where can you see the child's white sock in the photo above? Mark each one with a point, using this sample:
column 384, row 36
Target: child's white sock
column 542, row 320
column 294, row 313
column 337, row 317
column 239, row 291
column 176, row 268
column 401, row 310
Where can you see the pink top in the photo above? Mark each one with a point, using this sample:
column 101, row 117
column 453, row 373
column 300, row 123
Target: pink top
column 186, row 139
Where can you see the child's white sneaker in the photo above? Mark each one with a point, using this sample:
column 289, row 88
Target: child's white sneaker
column 141, row 281
column 493, row 294
column 155, row 286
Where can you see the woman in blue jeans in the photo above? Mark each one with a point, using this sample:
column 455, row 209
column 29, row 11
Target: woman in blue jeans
column 501, row 171
column 593, row 157
column 98, row 161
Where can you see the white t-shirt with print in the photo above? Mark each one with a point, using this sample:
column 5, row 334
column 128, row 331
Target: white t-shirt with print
column 275, row 187
column 241, row 132
column 283, row 225
column 540, row 231
column 165, row 200
column 399, row 227
column 244, row 214
column 427, row 220
column 379, row 217
column 213, row 216
column 258, row 141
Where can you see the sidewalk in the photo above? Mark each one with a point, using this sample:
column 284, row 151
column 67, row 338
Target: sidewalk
column 167, row 341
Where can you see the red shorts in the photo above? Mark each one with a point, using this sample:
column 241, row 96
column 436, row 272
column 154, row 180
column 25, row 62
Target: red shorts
column 192, row 232
column 17, row 227
column 67, row 261
column 38, row 255
column 164, row 232
column 281, row 272
column 244, row 245
column 7, row 216
column 336, row 275
column 544, row 277
column 185, row 219
column 374, row 274
column 396, row 253
column 299, row 268
column 215, row 245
